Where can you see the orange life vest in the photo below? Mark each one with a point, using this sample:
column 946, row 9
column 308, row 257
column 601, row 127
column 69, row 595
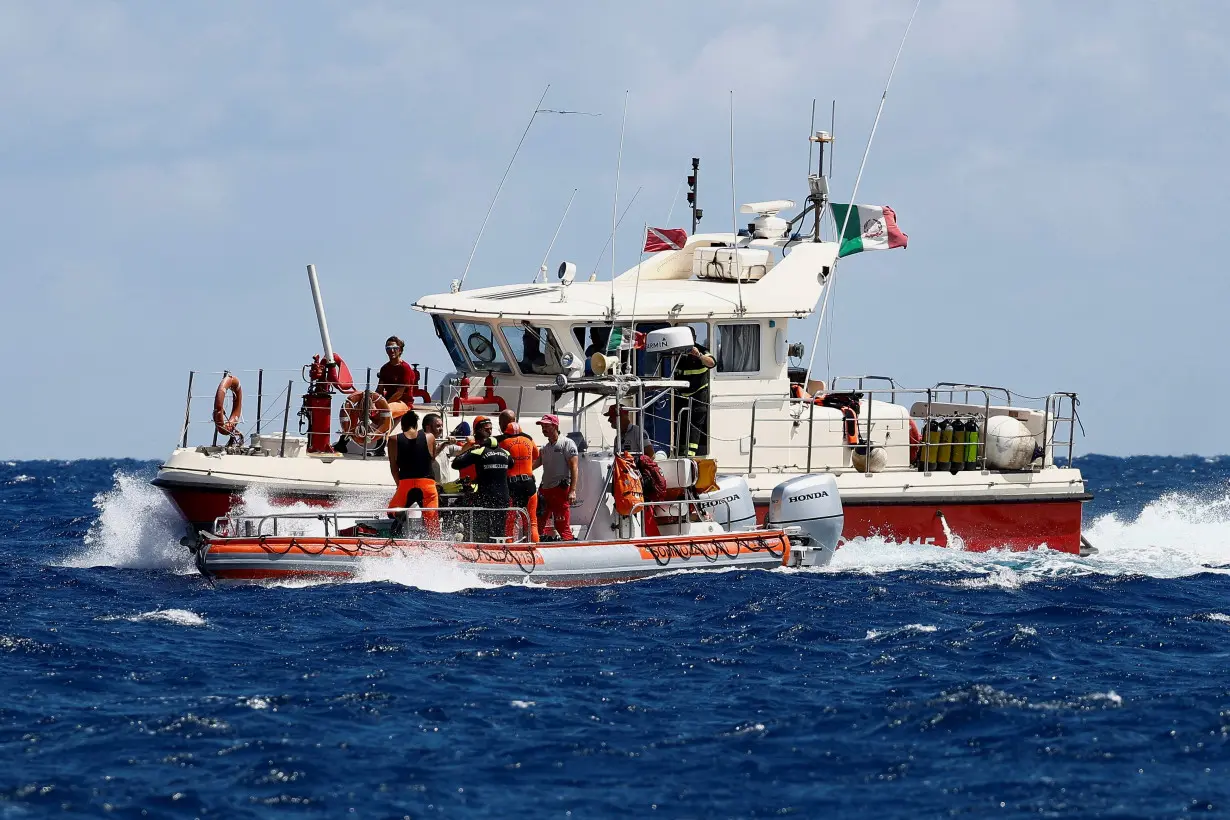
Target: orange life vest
column 626, row 485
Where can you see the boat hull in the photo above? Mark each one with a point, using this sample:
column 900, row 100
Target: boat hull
column 976, row 525
column 974, row 510
column 552, row 564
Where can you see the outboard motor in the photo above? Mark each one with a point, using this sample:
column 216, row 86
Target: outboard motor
column 812, row 503
column 731, row 504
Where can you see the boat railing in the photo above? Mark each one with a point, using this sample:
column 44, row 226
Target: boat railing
column 279, row 524
column 270, row 429
column 785, row 453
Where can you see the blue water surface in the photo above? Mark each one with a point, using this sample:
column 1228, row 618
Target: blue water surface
column 904, row 682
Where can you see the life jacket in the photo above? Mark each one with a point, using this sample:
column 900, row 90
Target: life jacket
column 915, row 442
column 626, row 486
column 653, row 483
column 848, row 404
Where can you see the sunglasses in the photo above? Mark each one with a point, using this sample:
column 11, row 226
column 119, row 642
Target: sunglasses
column 391, row 348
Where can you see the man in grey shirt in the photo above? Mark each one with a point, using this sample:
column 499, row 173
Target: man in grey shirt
column 558, row 491
column 633, row 436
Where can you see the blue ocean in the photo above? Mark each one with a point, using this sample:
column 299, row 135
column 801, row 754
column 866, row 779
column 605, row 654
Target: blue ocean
column 902, row 682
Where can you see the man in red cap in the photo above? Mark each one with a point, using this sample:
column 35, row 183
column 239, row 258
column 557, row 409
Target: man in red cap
column 559, row 460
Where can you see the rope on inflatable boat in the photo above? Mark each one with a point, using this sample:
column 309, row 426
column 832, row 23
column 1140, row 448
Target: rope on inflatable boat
column 662, row 554
column 505, row 555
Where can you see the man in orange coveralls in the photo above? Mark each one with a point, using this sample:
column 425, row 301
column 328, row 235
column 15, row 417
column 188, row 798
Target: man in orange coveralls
column 522, row 490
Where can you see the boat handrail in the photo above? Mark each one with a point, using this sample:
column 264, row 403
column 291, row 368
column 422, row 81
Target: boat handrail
column 232, row 525
column 1057, row 409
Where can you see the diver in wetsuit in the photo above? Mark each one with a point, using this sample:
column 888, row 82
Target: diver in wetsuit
column 491, row 465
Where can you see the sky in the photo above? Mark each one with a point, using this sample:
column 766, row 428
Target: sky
column 170, row 168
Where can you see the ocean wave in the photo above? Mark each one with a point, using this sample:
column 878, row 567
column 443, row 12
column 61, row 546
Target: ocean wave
column 179, row 617
column 137, row 528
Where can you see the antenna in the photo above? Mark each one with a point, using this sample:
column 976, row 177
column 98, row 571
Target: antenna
column 602, row 253
column 811, row 132
column 500, row 187
column 619, row 161
column 734, row 218
column 833, row 131
column 693, row 180
column 542, row 269
column 841, row 231
column 674, row 201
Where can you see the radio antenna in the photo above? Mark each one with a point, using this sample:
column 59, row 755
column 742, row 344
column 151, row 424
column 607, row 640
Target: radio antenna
column 594, row 270
column 841, row 229
column 619, row 161
column 674, row 201
column 811, row 132
column 833, row 132
column 734, row 213
column 500, row 187
column 542, row 269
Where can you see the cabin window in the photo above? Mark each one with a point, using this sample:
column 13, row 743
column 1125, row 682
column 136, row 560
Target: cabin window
column 481, row 347
column 535, row 347
column 738, row 348
column 445, row 333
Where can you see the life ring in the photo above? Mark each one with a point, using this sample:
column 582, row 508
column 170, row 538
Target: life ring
column 224, row 424
column 364, row 430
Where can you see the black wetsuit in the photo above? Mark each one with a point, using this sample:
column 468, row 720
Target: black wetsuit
column 491, row 464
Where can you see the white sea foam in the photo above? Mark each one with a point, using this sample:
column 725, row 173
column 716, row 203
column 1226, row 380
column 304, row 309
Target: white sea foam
column 179, row 617
column 908, row 629
column 421, row 571
column 1177, row 535
column 137, row 527
column 426, row 572
column 21, row 479
column 521, row 704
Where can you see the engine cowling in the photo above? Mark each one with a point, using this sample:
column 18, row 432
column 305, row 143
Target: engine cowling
column 812, row 503
column 731, row 504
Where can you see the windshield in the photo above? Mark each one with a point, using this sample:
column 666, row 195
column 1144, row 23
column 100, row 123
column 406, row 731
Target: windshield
column 445, row 333
column 482, row 348
column 535, row 347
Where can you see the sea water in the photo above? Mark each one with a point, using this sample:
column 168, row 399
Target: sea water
column 902, row 681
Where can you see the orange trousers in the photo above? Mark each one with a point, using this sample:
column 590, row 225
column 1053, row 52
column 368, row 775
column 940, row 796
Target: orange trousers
column 522, row 492
column 421, row 491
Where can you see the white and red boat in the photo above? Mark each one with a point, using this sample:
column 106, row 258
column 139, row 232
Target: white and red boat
column 992, row 469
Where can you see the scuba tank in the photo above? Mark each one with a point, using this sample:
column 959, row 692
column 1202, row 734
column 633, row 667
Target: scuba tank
column 971, row 446
column 958, row 446
column 945, row 454
column 932, row 447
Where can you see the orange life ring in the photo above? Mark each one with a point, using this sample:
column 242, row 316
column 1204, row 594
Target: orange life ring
column 224, row 424
column 378, row 424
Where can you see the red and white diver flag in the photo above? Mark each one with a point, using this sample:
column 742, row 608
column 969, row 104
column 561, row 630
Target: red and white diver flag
column 664, row 239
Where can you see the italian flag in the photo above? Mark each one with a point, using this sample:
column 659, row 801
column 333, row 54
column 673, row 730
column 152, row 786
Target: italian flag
column 869, row 228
